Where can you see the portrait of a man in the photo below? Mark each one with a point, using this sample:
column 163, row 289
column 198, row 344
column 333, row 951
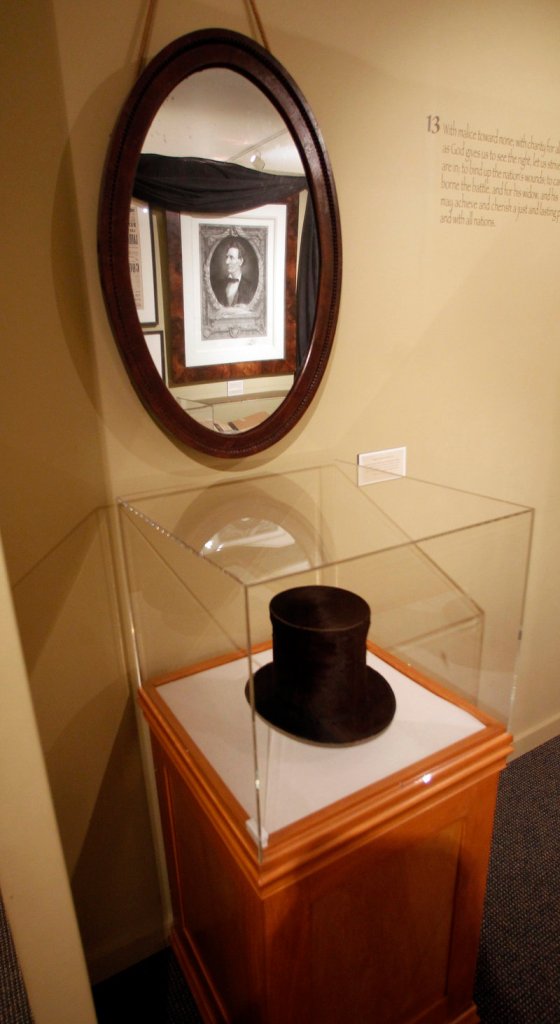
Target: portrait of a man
column 235, row 280
column 234, row 272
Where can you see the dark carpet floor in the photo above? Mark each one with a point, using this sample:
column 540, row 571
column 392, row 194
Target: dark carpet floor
column 151, row 992
column 14, row 1007
column 518, row 976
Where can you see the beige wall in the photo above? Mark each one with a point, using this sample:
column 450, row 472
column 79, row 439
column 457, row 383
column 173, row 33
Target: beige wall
column 447, row 342
column 33, row 879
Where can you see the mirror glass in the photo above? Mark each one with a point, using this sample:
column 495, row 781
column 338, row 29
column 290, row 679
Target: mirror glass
column 222, row 277
column 231, row 249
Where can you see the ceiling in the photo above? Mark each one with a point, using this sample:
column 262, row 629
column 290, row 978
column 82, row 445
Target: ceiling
column 220, row 115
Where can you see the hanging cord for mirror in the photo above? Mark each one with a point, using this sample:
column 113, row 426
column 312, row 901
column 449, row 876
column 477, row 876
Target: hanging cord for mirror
column 149, row 20
column 150, row 14
column 252, row 5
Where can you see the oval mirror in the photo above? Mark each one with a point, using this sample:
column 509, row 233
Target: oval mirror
column 219, row 244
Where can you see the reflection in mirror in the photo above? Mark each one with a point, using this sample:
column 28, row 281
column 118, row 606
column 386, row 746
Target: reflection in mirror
column 225, row 269
column 218, row 114
column 219, row 244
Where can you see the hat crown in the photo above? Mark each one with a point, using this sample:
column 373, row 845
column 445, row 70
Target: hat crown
column 320, row 608
column 319, row 686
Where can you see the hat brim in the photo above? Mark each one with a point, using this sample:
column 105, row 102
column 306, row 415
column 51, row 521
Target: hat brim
column 376, row 713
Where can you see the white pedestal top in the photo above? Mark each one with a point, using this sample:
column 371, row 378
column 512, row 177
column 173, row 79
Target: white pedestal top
column 297, row 778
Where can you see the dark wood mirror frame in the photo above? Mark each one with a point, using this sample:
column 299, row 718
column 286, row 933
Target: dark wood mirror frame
column 214, row 48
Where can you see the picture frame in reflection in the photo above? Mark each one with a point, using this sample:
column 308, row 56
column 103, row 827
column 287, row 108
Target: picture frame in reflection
column 232, row 284
column 141, row 262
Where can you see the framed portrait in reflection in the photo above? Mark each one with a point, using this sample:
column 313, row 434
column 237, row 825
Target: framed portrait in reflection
column 232, row 294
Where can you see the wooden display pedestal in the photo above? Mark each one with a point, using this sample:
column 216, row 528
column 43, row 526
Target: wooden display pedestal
column 367, row 910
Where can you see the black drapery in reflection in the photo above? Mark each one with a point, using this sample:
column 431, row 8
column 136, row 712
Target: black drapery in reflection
column 195, row 185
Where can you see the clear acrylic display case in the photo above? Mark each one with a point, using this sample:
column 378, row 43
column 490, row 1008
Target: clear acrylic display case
column 444, row 574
